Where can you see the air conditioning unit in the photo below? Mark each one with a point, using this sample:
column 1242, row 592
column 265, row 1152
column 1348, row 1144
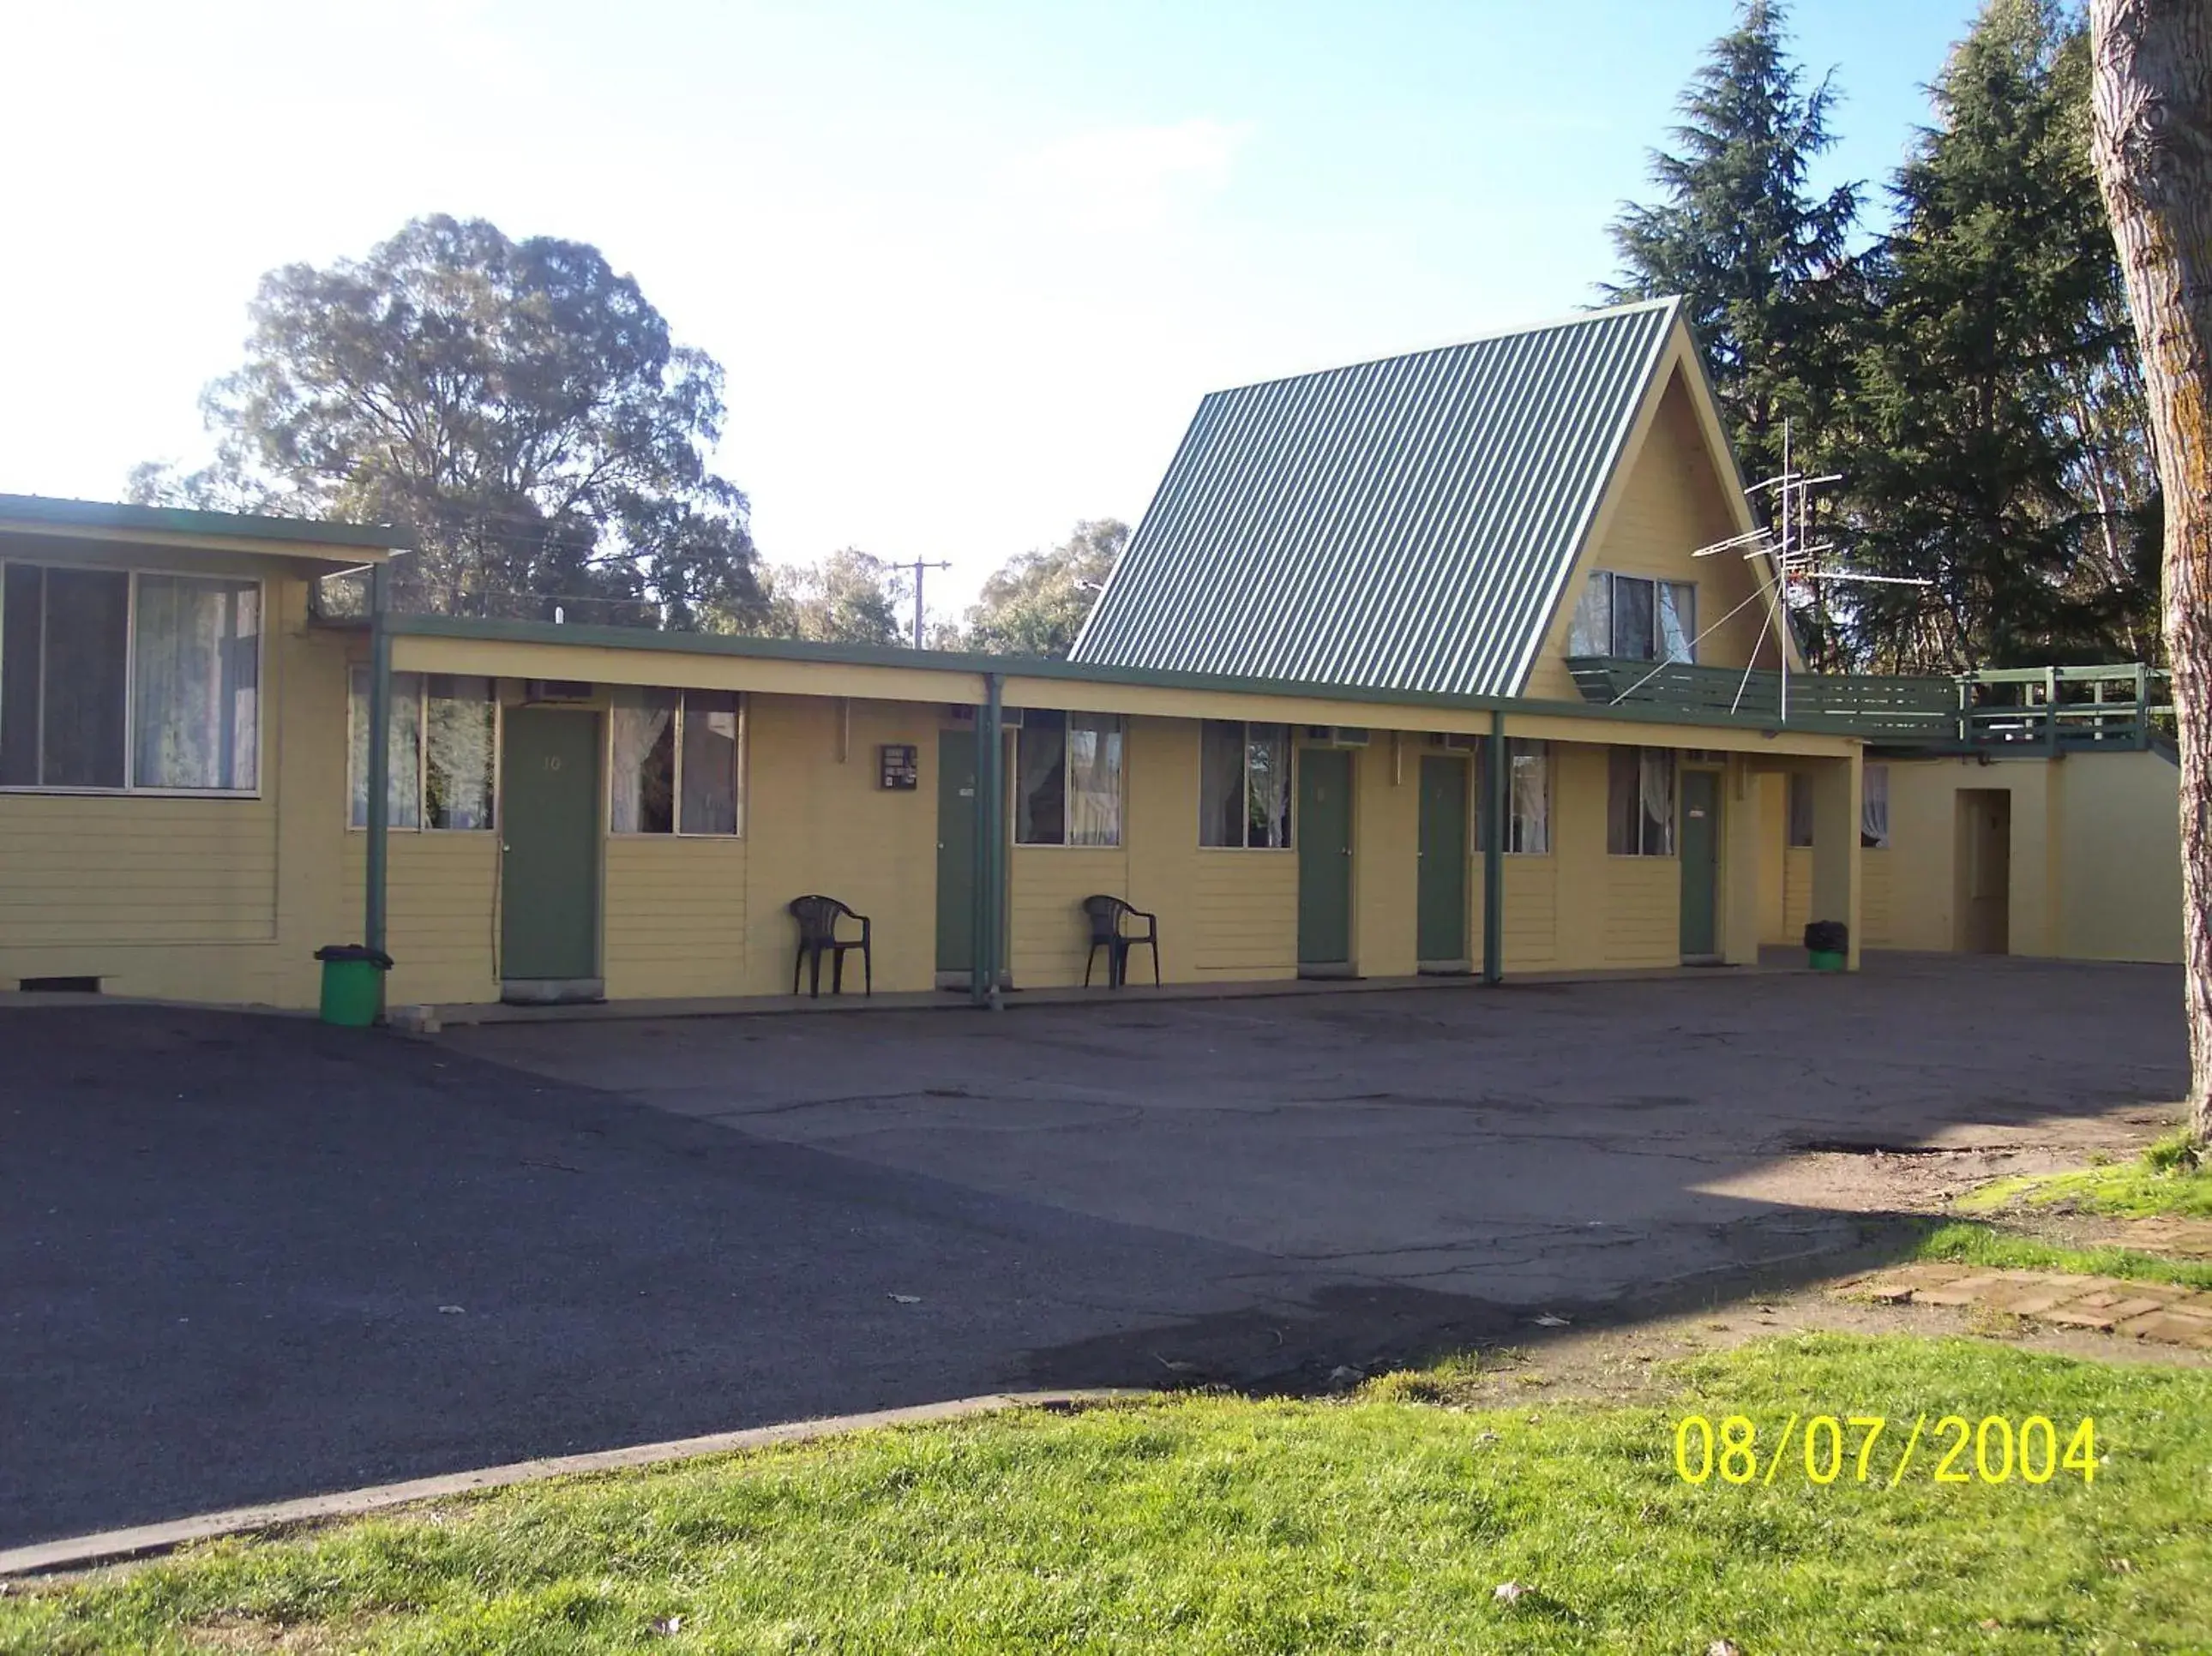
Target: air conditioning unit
column 1456, row 741
column 1336, row 736
column 557, row 689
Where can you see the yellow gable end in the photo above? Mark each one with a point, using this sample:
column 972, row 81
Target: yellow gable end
column 1673, row 492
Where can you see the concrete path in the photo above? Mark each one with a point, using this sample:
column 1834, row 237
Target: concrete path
column 250, row 1259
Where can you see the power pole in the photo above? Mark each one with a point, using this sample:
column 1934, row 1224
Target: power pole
column 918, row 566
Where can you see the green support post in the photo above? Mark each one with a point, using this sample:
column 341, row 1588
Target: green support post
column 380, row 762
column 989, row 917
column 1494, row 773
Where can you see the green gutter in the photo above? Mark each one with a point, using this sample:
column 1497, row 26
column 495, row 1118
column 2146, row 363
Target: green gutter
column 959, row 661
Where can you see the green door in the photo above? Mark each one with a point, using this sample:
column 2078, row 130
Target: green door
column 1324, row 837
column 1701, row 843
column 548, row 812
column 956, row 851
column 1442, row 899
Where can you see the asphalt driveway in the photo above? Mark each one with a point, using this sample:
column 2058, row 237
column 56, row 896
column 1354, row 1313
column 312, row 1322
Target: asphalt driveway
column 243, row 1258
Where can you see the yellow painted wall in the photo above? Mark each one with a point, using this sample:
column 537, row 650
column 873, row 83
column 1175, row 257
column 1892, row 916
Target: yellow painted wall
column 817, row 824
column 1772, row 788
column 1668, row 501
column 2120, row 817
column 1050, row 933
column 1923, row 817
column 216, row 900
column 1386, row 864
column 674, row 919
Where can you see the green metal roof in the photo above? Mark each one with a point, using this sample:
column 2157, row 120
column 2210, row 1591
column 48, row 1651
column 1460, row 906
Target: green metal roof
column 1403, row 524
column 33, row 512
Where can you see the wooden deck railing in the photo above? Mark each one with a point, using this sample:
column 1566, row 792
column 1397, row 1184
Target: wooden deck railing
column 2053, row 709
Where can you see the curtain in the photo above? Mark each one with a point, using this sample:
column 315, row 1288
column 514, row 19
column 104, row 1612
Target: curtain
column 1267, row 786
column 1631, row 617
column 461, row 717
column 644, row 783
column 197, row 668
column 1657, row 789
column 1678, row 621
column 1591, row 633
column 404, row 807
column 1221, row 783
column 1873, row 807
column 1531, row 797
column 1094, row 779
column 1040, row 779
column 710, row 763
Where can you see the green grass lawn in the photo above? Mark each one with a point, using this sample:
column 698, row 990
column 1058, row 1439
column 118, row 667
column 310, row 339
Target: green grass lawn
column 1214, row 1524
column 2167, row 1178
column 1984, row 1245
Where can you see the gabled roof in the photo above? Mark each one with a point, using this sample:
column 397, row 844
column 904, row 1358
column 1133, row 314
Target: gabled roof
column 1408, row 524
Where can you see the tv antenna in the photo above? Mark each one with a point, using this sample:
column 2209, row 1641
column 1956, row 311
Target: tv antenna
column 1788, row 547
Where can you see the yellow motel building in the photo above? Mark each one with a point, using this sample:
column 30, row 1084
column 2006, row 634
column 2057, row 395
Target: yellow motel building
column 1408, row 669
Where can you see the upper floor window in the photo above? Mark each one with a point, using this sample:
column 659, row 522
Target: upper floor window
column 1244, row 785
column 1068, row 778
column 113, row 679
column 677, row 762
column 1642, row 620
column 1639, row 818
column 443, row 751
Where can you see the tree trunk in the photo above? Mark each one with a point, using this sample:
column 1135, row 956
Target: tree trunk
column 2153, row 144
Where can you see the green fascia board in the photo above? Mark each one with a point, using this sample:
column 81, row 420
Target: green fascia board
column 489, row 631
column 35, row 510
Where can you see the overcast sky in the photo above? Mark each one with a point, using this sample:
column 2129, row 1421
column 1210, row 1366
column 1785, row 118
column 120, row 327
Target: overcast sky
column 969, row 266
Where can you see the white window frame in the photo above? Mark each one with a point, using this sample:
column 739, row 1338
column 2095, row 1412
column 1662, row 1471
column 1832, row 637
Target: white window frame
column 740, row 780
column 356, row 671
column 1515, row 747
column 1116, row 725
column 1656, row 582
column 1244, row 785
column 1670, row 829
column 131, row 785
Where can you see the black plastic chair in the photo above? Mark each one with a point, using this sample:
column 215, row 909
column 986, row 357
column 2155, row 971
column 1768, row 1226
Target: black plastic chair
column 1108, row 919
column 817, row 917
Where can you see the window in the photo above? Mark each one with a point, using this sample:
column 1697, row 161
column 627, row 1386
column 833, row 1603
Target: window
column 1244, row 785
column 1068, row 778
column 444, row 758
column 1801, row 810
column 109, row 679
column 1640, row 803
column 677, row 755
column 1641, row 620
column 1528, row 798
column 1873, row 808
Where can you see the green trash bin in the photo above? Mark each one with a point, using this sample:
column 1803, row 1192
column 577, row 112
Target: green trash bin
column 353, row 982
column 1827, row 945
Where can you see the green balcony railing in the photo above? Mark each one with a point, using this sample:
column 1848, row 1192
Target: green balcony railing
column 2052, row 709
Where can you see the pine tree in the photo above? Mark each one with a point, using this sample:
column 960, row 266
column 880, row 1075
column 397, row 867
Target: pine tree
column 1762, row 263
column 1998, row 446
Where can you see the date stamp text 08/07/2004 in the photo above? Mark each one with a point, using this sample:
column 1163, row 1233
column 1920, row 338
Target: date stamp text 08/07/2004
column 1865, row 1449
